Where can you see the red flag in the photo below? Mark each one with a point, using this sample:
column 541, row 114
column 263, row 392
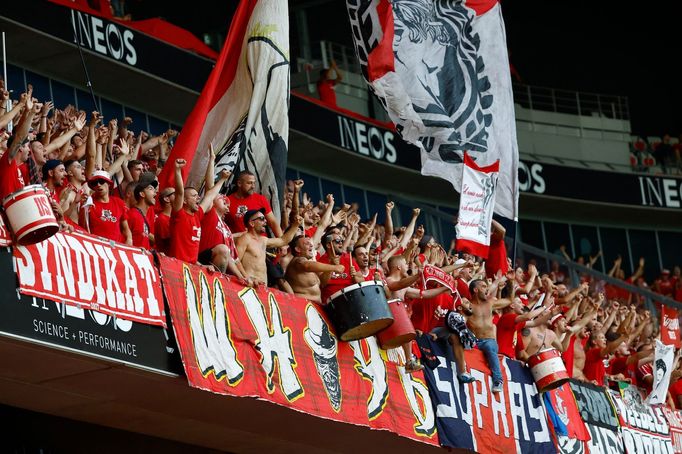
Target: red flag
column 242, row 110
column 670, row 327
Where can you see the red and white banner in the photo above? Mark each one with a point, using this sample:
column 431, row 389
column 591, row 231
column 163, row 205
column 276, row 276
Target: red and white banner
column 243, row 108
column 92, row 273
column 278, row 347
column 476, row 202
column 434, row 274
column 5, row 238
column 674, row 418
column 670, row 327
column 441, row 70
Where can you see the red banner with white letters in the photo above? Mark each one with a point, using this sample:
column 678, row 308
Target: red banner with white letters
column 92, row 273
column 670, row 327
column 5, row 238
column 241, row 341
column 434, row 274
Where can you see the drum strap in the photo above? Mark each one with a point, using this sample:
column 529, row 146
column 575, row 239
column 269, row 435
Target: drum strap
column 144, row 218
column 543, row 342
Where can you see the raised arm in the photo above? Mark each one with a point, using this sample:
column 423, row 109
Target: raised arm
column 288, row 235
column 639, row 272
column 211, row 194
column 409, row 230
column 616, row 266
column 179, row 186
column 66, row 137
column 210, row 169
column 388, row 224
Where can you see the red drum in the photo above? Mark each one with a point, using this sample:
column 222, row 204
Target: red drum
column 30, row 214
column 401, row 331
column 548, row 369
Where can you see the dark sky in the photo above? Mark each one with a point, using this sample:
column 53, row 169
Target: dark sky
column 614, row 48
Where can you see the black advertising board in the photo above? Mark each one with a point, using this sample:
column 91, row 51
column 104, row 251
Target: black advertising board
column 380, row 142
column 83, row 331
column 112, row 40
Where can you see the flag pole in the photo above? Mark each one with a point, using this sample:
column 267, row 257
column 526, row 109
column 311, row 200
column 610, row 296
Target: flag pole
column 516, row 228
column 8, row 103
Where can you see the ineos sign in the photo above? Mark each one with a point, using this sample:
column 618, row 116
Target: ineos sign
column 106, row 38
column 530, row 178
column 367, row 140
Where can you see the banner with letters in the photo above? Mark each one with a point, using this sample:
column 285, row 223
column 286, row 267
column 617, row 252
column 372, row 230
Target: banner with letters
column 5, row 238
column 644, row 427
column 92, row 273
column 600, row 418
column 242, row 341
column 674, row 418
column 471, row 416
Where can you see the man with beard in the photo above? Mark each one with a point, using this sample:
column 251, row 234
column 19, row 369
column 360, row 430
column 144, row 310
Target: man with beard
column 302, row 273
column 458, row 336
column 74, row 192
column 481, row 324
column 573, row 353
column 539, row 337
column 140, row 227
column 399, row 285
column 252, row 245
column 245, row 199
column 104, row 215
column 361, row 256
column 515, row 317
column 187, row 215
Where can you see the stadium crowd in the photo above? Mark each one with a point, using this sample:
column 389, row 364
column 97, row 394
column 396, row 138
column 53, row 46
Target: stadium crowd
column 101, row 179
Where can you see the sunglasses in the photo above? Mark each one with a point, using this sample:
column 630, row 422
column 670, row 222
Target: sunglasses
column 259, row 218
column 338, row 241
column 98, row 182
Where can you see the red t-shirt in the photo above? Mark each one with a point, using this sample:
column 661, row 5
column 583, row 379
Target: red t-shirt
column 643, row 371
column 424, row 310
column 105, row 218
column 508, row 334
column 214, row 232
column 568, row 356
column 337, row 281
column 11, row 179
column 239, row 207
column 325, row 88
column 497, row 258
column 594, row 366
column 676, row 391
column 162, row 233
column 140, row 227
column 463, row 288
column 185, row 235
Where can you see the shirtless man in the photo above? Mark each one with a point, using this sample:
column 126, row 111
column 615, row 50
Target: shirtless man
column 399, row 285
column 540, row 337
column 302, row 271
column 481, row 324
column 458, row 336
column 251, row 246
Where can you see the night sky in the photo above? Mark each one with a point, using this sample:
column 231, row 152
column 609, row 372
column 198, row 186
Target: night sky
column 614, row 48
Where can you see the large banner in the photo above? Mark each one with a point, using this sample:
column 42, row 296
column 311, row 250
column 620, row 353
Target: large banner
column 471, row 416
column 441, row 70
column 243, row 108
column 92, row 273
column 644, row 427
column 570, row 430
column 600, row 418
column 664, row 363
column 254, row 342
column 674, row 418
column 670, row 326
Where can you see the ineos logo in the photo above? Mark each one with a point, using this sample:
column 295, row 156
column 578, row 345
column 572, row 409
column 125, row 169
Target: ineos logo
column 106, row 39
column 530, row 178
column 367, row 140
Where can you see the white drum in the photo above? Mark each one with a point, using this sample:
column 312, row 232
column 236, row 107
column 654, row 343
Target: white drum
column 30, row 214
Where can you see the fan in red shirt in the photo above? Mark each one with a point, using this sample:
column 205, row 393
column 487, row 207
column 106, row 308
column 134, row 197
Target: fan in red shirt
column 11, row 179
column 326, row 85
column 595, row 369
column 187, row 214
column 514, row 318
column 497, row 252
column 162, row 229
column 245, row 199
column 138, row 216
column 104, row 215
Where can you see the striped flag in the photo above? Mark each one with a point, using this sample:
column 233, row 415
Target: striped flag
column 441, row 69
column 243, row 108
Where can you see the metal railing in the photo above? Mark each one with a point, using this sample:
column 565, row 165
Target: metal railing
column 571, row 102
